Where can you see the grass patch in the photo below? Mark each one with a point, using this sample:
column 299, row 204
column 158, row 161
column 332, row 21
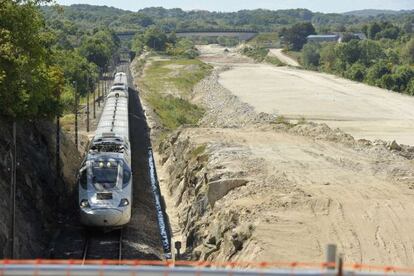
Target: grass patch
column 269, row 40
column 173, row 111
column 139, row 65
column 181, row 74
column 199, row 153
column 257, row 53
column 294, row 55
column 67, row 121
column 274, row 60
column 177, row 75
column 281, row 120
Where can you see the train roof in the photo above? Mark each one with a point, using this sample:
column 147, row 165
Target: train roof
column 114, row 118
column 97, row 156
column 121, row 78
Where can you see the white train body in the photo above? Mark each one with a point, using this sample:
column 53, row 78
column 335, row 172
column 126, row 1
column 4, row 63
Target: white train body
column 120, row 82
column 105, row 178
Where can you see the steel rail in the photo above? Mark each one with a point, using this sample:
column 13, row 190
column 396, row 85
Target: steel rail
column 85, row 250
column 120, row 247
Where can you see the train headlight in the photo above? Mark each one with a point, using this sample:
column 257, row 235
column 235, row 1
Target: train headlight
column 124, row 202
column 84, row 203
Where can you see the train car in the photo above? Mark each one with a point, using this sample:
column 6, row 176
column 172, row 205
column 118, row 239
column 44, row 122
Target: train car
column 105, row 177
column 120, row 82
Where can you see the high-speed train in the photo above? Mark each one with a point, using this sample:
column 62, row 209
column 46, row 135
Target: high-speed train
column 105, row 177
column 120, row 82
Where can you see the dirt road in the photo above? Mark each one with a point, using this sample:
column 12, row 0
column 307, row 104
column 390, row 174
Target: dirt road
column 361, row 110
column 283, row 57
column 286, row 190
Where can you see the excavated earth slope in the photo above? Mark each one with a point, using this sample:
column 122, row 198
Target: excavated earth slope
column 249, row 186
column 42, row 195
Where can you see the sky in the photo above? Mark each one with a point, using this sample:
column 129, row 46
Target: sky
column 235, row 5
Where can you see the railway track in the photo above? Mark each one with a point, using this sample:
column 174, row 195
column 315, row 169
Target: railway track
column 74, row 242
column 99, row 245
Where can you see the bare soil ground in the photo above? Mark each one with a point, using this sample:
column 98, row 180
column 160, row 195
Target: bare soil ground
column 304, row 193
column 361, row 110
column 307, row 185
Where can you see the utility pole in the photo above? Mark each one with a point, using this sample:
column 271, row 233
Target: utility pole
column 94, row 102
column 87, row 104
column 58, row 139
column 99, row 87
column 76, row 113
column 13, row 193
column 105, row 82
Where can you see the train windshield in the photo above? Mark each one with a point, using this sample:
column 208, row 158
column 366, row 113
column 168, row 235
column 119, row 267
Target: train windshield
column 105, row 174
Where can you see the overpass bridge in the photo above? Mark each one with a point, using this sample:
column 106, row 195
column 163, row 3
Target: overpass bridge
column 241, row 34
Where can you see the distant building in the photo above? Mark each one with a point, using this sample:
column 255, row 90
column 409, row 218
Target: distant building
column 360, row 36
column 335, row 37
column 323, row 38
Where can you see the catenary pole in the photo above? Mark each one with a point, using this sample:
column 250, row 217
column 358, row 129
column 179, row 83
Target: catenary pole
column 76, row 113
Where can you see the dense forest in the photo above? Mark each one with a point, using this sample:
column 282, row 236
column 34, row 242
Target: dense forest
column 48, row 51
column 90, row 17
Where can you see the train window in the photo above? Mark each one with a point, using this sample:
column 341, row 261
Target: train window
column 83, row 179
column 126, row 177
column 105, row 174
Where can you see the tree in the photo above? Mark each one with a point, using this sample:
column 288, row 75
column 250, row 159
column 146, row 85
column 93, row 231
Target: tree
column 99, row 48
column 370, row 52
column 296, row 36
column 387, row 81
column 376, row 71
column 391, row 32
column 155, row 38
column 373, row 29
column 348, row 53
column 402, row 76
column 28, row 81
column 408, row 27
column 356, row 72
column 328, row 56
column 75, row 67
column 410, row 87
column 310, row 55
column 408, row 51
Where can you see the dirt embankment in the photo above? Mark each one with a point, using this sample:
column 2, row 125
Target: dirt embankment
column 249, row 186
column 42, row 195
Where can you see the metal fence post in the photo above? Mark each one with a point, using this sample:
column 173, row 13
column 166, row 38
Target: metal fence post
column 331, row 256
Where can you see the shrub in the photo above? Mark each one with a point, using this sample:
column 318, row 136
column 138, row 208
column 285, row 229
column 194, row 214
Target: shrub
column 257, row 53
column 356, row 72
column 376, row 71
column 328, row 57
column 310, row 55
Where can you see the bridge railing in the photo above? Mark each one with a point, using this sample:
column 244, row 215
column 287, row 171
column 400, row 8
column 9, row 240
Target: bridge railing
column 166, row 268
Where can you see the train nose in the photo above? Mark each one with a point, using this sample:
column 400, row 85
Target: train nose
column 102, row 217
